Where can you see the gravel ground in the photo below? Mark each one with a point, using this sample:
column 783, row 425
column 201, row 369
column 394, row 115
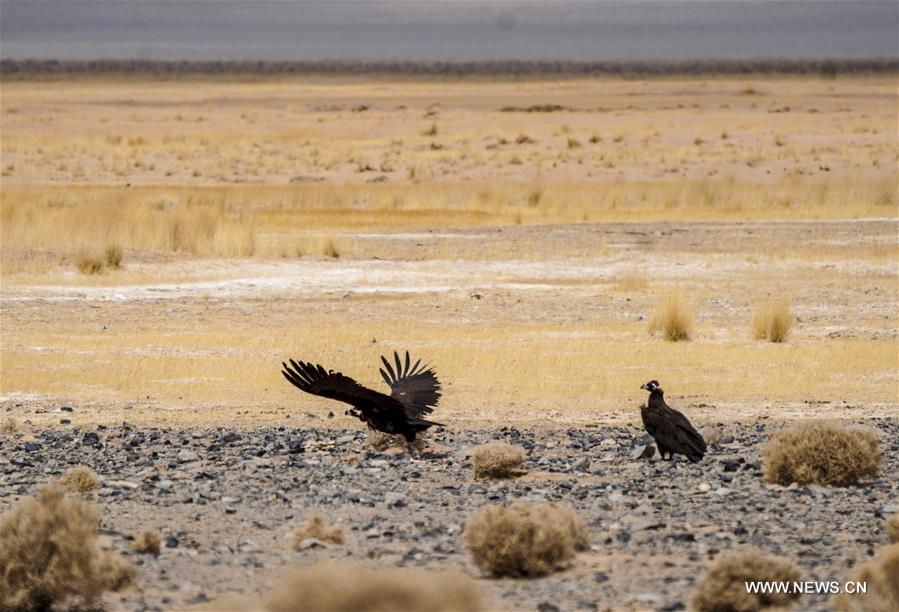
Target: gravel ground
column 226, row 500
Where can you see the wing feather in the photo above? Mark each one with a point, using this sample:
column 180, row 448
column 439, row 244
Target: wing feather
column 418, row 390
column 314, row 379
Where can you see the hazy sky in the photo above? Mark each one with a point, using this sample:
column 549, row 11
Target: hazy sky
column 372, row 29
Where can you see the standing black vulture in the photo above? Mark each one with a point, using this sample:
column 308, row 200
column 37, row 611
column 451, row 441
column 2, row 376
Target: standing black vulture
column 670, row 429
column 414, row 392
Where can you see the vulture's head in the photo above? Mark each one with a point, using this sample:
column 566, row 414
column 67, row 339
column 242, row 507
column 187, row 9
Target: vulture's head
column 354, row 413
column 651, row 386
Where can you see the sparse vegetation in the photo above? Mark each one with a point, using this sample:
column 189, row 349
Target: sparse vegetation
column 431, row 131
column 772, row 322
column 315, row 527
column 724, row 587
column 79, row 479
column 351, row 588
column 50, row 556
column 823, row 453
column 524, row 540
column 881, row 575
column 148, row 543
column 498, row 460
column 90, row 263
column 673, row 318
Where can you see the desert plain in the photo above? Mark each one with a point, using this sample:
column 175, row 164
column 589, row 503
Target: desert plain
column 167, row 243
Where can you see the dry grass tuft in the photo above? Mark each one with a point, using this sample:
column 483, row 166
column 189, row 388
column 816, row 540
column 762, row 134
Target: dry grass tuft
column 498, row 460
column 50, row 554
column 892, row 527
column 350, row 588
column 315, row 527
column 772, row 322
column 673, row 317
column 79, row 479
column 381, row 442
column 881, row 575
column 113, row 256
column 524, row 539
column 148, row 543
column 89, row 262
column 823, row 453
column 330, row 248
column 10, row 426
column 724, row 587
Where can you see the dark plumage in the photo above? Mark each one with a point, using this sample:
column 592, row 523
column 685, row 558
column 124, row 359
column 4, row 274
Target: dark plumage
column 670, row 429
column 414, row 392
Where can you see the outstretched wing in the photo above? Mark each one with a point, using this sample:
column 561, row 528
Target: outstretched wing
column 316, row 380
column 415, row 386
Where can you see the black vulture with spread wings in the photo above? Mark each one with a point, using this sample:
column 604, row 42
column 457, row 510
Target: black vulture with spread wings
column 671, row 430
column 414, row 392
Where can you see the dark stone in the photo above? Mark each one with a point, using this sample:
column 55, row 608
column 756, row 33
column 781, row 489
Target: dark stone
column 91, row 439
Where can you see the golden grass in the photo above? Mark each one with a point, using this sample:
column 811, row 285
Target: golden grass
column 126, row 361
column 672, row 318
column 881, row 575
column 772, row 322
column 524, row 540
column 497, row 460
column 79, row 479
column 351, row 588
column 724, row 587
column 50, row 556
column 148, row 543
column 315, row 527
column 822, row 453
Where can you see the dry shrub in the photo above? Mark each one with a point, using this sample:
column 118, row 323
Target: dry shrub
column 330, row 248
column 772, row 322
column 79, row 479
column 350, row 588
column 148, row 543
column 881, row 575
column 113, row 256
column 381, row 442
column 315, row 527
column 50, row 554
column 89, row 262
column 498, row 460
column 673, row 317
column 724, row 587
column 524, row 539
column 892, row 527
column 10, row 426
column 823, row 453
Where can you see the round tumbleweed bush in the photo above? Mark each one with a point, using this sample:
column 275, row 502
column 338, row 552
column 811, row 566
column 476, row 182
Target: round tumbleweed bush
column 343, row 587
column 524, row 539
column 724, row 587
column 823, row 453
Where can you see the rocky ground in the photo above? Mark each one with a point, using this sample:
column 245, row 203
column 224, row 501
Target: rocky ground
column 226, row 500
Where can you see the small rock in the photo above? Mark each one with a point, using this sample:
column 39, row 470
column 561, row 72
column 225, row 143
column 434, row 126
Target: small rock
column 91, row 439
column 643, row 451
column 186, row 456
column 394, row 500
column 545, row 606
column 307, row 543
